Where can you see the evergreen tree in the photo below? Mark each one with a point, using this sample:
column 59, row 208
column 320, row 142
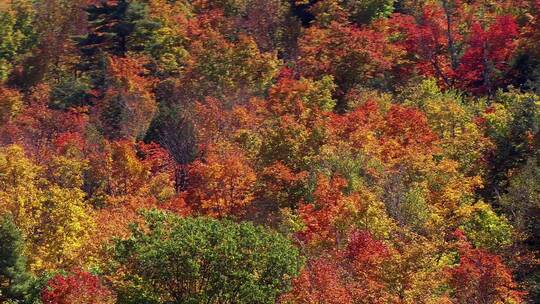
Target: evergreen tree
column 14, row 278
column 108, row 30
column 115, row 28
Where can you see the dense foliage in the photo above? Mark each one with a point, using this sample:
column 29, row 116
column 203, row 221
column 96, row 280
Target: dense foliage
column 199, row 260
column 269, row 151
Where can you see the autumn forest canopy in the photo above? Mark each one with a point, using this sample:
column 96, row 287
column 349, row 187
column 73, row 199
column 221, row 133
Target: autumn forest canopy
column 269, row 151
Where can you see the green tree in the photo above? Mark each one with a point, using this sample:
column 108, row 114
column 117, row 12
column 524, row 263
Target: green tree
column 110, row 27
column 521, row 202
column 115, row 27
column 364, row 11
column 14, row 277
column 169, row 259
column 484, row 228
column 16, row 34
column 512, row 122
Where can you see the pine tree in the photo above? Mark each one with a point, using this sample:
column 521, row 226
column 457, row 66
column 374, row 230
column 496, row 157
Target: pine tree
column 115, row 28
column 108, row 30
column 14, row 277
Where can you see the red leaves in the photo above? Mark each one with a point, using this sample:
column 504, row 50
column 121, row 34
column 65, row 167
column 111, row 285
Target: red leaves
column 482, row 277
column 488, row 54
column 78, row 287
column 363, row 249
column 351, row 275
column 41, row 130
column 426, row 41
column 320, row 282
column 156, row 157
column 436, row 39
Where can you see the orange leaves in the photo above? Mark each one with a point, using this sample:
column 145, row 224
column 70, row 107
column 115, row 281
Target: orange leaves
column 124, row 177
column 222, row 68
column 327, row 131
column 129, row 72
column 409, row 130
column 222, row 182
column 332, row 51
column 129, row 173
column 155, row 157
column 351, row 54
column 328, row 217
column 400, row 133
column 281, row 184
column 295, row 124
column 128, row 104
column 121, row 172
column 215, row 121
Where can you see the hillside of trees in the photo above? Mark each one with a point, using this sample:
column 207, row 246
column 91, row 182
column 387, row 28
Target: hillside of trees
column 269, row 151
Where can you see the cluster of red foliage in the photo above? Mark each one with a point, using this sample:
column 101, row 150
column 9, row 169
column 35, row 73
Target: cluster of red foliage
column 76, row 287
column 346, row 276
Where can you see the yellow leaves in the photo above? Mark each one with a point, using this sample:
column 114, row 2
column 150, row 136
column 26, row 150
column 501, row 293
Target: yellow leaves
column 367, row 141
column 461, row 138
column 376, row 220
column 129, row 173
column 498, row 117
column 450, row 188
column 414, row 272
column 66, row 171
column 65, row 226
column 20, row 192
column 10, row 104
column 231, row 70
column 303, row 98
column 52, row 216
column 162, row 187
column 169, row 42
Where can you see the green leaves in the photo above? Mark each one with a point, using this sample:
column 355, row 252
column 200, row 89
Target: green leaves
column 486, row 229
column 14, row 277
column 16, row 34
column 200, row 260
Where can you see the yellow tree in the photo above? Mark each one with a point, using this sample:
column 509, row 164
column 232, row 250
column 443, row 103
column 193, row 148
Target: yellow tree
column 52, row 216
